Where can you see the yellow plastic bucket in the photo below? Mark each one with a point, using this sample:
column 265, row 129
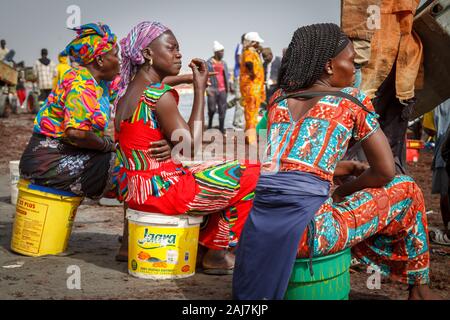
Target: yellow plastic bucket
column 43, row 221
column 161, row 246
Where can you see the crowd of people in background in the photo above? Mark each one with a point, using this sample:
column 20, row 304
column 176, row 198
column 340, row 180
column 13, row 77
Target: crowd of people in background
column 44, row 74
column 252, row 82
column 258, row 76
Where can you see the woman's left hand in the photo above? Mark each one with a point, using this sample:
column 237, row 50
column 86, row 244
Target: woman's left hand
column 359, row 168
column 160, row 150
column 350, row 168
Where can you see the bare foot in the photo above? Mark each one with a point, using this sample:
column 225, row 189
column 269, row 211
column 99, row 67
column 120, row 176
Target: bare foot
column 122, row 255
column 422, row 292
column 218, row 262
column 201, row 251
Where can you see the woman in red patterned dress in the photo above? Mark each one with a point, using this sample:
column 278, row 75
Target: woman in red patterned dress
column 147, row 112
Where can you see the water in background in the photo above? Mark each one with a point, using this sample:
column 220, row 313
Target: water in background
column 185, row 107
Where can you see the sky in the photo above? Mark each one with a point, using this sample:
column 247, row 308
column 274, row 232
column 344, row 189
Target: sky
column 30, row 25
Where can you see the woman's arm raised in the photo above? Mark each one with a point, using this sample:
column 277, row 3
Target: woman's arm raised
column 175, row 129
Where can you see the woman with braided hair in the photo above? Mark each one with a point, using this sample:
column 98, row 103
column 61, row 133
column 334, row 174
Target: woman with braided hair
column 312, row 118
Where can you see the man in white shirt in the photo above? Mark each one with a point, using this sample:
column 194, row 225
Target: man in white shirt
column 45, row 70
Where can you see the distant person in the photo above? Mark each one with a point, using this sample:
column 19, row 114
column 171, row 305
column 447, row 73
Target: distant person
column 218, row 90
column 237, row 58
column 7, row 55
column 428, row 124
column 445, row 152
column 62, row 67
column 271, row 70
column 20, row 87
column 252, row 83
column 45, row 70
column 3, row 49
column 239, row 119
column 440, row 181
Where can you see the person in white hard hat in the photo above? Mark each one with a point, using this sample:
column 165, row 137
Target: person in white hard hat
column 218, row 90
column 252, row 83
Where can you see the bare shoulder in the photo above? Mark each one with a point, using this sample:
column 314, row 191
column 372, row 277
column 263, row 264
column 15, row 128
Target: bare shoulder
column 168, row 99
column 167, row 104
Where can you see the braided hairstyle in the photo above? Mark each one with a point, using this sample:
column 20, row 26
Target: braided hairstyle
column 310, row 49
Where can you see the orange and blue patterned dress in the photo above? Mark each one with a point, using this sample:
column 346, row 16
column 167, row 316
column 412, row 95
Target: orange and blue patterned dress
column 385, row 227
column 221, row 191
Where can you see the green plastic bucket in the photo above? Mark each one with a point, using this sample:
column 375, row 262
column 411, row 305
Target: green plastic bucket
column 331, row 280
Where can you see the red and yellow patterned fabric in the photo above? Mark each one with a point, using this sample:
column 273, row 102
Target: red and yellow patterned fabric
column 252, row 91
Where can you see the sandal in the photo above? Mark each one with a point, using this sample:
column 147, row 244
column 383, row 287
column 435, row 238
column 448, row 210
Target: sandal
column 221, row 267
column 438, row 236
column 218, row 271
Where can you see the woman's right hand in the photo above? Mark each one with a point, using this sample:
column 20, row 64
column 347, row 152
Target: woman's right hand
column 200, row 73
column 160, row 150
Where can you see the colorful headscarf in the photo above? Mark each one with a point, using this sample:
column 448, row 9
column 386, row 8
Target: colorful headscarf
column 93, row 40
column 140, row 37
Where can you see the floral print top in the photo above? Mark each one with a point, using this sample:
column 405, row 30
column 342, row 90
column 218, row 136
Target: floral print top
column 78, row 102
column 319, row 139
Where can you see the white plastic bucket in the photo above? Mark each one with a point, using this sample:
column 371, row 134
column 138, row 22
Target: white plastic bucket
column 161, row 246
column 15, row 176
